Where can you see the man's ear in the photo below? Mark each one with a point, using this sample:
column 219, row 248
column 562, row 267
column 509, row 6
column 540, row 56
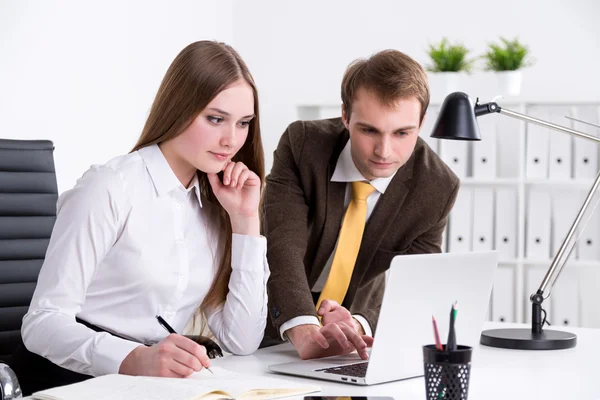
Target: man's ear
column 345, row 118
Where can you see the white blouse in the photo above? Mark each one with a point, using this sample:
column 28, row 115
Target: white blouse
column 130, row 242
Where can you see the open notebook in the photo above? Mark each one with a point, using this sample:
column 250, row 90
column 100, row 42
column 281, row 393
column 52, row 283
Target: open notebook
column 202, row 385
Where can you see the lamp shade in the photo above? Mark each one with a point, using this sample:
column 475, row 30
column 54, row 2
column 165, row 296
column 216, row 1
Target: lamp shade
column 456, row 119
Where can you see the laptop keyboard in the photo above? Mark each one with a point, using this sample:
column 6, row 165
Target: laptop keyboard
column 359, row 370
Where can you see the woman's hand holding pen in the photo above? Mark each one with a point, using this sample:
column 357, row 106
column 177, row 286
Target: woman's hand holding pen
column 239, row 194
column 173, row 357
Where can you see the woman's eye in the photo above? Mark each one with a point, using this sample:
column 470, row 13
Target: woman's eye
column 214, row 120
column 244, row 124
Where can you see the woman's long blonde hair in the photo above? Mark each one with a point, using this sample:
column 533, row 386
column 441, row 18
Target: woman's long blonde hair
column 197, row 75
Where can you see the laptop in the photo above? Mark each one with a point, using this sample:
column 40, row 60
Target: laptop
column 417, row 287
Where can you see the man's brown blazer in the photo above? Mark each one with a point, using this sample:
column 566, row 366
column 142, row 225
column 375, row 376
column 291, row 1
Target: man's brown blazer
column 303, row 210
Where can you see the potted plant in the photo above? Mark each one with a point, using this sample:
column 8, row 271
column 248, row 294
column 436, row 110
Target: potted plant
column 507, row 59
column 448, row 60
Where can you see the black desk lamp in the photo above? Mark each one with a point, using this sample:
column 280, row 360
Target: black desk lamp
column 457, row 121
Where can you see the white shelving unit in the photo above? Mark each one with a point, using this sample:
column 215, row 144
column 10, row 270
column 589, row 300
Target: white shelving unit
column 545, row 175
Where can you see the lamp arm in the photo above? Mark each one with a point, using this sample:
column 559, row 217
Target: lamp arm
column 487, row 108
column 568, row 244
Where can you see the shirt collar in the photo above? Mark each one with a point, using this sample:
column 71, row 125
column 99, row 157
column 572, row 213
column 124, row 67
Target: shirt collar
column 162, row 175
column 346, row 171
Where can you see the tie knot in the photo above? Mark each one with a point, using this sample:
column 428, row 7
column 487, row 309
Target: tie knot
column 361, row 190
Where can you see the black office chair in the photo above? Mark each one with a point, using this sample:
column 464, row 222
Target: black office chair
column 28, row 195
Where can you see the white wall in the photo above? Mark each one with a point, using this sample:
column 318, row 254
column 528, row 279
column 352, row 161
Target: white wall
column 84, row 73
column 299, row 50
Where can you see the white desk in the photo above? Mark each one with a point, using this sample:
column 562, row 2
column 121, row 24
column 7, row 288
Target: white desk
column 495, row 373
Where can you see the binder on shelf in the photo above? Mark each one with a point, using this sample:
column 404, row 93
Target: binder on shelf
column 506, row 223
column 536, row 157
column 560, row 147
column 461, row 222
column 485, row 151
column 504, row 295
column 565, row 206
column 588, row 245
column 483, row 219
column 589, row 287
column 455, row 154
column 585, row 153
column 538, row 225
column 565, row 298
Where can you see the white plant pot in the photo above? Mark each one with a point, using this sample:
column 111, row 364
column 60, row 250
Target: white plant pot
column 449, row 82
column 509, row 82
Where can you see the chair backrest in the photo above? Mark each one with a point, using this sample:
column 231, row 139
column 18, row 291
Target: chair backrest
column 28, row 195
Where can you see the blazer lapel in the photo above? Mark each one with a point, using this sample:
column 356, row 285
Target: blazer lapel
column 336, row 192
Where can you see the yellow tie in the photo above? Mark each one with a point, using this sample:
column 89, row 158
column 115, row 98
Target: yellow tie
column 348, row 244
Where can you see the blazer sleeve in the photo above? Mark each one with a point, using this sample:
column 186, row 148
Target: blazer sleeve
column 369, row 297
column 284, row 224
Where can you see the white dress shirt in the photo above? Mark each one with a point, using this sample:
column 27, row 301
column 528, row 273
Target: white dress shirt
column 345, row 171
column 130, row 242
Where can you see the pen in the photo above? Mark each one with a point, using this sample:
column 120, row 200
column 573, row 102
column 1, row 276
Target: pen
column 169, row 329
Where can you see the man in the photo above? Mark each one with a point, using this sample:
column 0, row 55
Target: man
column 343, row 198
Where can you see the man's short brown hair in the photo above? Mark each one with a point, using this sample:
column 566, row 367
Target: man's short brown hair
column 391, row 75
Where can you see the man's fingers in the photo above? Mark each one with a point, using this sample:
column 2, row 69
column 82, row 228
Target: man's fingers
column 319, row 338
column 353, row 337
column 333, row 331
column 327, row 306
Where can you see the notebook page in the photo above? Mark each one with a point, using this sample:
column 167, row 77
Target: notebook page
column 124, row 387
column 245, row 386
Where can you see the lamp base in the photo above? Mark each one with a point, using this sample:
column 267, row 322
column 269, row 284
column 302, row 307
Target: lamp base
column 525, row 339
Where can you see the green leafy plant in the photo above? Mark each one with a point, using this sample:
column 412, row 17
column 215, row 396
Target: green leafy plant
column 448, row 57
column 509, row 55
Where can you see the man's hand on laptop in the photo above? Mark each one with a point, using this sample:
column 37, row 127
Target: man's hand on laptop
column 334, row 339
column 331, row 312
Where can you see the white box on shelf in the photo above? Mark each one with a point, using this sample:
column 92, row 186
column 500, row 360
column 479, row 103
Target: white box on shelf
column 484, row 151
column 588, row 245
column 483, row 219
column 586, row 152
column 506, row 223
column 504, row 295
column 560, row 148
column 538, row 225
column 536, row 160
column 455, row 154
column 565, row 298
column 461, row 222
column 565, row 205
column 589, row 287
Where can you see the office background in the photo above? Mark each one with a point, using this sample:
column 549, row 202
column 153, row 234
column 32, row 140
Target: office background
column 83, row 74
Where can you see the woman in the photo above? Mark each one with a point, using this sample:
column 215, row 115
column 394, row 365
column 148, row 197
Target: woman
column 170, row 229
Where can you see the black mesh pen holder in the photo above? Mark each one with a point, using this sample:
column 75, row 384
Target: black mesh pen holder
column 447, row 373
